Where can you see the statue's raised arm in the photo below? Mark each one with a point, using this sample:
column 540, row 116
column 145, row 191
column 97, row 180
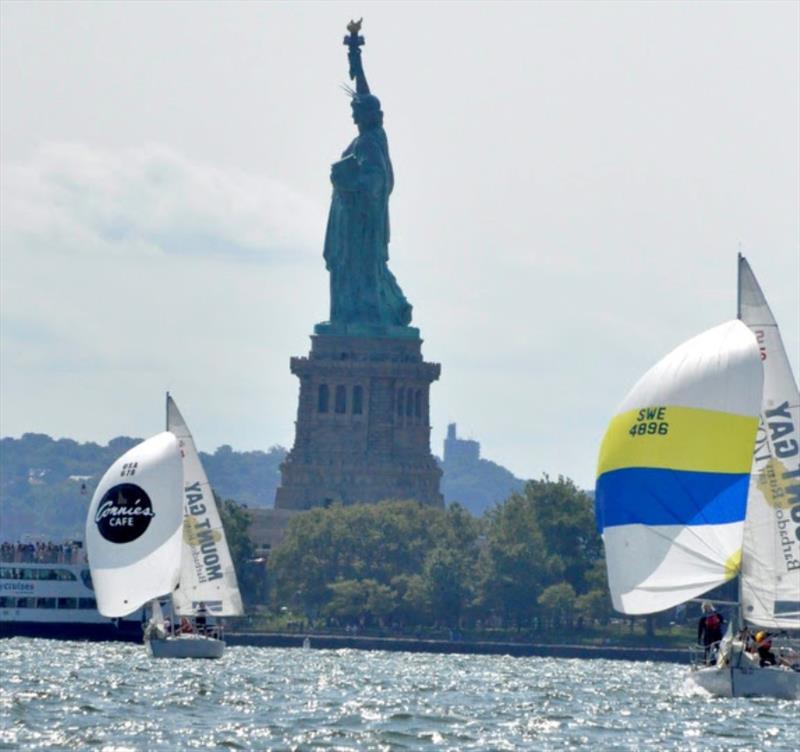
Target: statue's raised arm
column 354, row 42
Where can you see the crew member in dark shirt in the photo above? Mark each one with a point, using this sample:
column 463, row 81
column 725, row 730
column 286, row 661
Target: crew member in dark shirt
column 764, row 649
column 200, row 619
column 709, row 630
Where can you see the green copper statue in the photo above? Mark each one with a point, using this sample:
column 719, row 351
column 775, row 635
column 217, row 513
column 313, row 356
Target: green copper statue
column 365, row 297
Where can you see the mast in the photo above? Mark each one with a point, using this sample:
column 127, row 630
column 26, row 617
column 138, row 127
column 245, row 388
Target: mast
column 739, row 285
column 739, row 613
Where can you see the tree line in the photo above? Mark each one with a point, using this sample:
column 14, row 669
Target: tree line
column 533, row 561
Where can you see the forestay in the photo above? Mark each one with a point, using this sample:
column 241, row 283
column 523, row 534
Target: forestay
column 133, row 528
column 771, row 561
column 207, row 572
column 673, row 472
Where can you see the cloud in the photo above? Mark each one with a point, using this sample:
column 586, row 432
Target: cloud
column 128, row 272
column 152, row 200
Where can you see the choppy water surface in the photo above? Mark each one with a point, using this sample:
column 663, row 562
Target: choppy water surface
column 77, row 695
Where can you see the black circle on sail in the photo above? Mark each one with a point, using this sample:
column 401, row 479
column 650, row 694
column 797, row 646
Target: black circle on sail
column 124, row 513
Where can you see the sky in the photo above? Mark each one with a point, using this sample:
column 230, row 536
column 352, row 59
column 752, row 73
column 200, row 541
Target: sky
column 573, row 184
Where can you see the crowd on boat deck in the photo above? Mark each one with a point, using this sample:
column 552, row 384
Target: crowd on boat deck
column 43, row 552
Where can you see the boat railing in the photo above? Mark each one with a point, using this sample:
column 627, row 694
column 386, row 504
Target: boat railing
column 742, row 653
column 704, row 655
column 185, row 627
column 43, row 553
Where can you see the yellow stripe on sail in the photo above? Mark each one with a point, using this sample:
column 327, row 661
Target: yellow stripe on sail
column 679, row 438
column 733, row 565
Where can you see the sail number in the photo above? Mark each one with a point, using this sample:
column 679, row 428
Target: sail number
column 650, row 421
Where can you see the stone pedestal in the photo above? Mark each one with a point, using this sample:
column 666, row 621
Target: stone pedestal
column 363, row 426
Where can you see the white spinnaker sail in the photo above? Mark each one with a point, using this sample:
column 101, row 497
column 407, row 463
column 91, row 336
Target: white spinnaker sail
column 771, row 559
column 207, row 572
column 133, row 528
column 673, row 472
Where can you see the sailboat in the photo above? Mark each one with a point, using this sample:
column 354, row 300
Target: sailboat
column 698, row 482
column 153, row 533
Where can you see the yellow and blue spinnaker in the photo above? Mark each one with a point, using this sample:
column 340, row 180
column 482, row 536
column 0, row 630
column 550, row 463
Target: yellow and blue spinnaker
column 674, row 469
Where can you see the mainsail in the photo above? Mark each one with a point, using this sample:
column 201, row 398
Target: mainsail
column 207, row 572
column 133, row 528
column 674, row 469
column 770, row 583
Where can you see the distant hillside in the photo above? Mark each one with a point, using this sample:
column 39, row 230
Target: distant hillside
column 46, row 485
column 477, row 485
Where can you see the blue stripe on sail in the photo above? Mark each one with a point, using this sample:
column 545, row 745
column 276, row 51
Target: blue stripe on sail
column 657, row 496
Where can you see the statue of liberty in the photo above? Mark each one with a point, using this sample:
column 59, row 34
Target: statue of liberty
column 363, row 290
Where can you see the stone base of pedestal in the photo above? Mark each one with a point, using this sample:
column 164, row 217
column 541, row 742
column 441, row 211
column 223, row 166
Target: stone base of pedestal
column 363, row 427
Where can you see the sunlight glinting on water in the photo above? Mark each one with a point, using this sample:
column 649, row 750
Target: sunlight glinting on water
column 108, row 696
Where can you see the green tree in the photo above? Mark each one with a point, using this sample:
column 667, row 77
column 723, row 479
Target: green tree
column 558, row 604
column 360, row 600
column 249, row 574
column 413, row 602
column 516, row 561
column 542, row 536
column 447, row 584
column 390, row 543
column 565, row 516
column 594, row 606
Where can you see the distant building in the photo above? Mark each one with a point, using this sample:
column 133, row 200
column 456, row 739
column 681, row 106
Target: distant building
column 460, row 450
column 36, row 476
column 475, row 483
column 268, row 528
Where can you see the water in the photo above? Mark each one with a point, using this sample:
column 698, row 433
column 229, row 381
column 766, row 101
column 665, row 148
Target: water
column 78, row 695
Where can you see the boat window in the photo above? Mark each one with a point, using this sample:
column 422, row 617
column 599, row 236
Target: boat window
column 26, row 602
column 45, row 603
column 322, row 399
column 7, row 602
column 87, row 603
column 341, row 399
column 67, row 603
column 28, row 573
column 358, row 399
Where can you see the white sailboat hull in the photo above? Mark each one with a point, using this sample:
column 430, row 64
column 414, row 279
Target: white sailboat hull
column 780, row 682
column 186, row 646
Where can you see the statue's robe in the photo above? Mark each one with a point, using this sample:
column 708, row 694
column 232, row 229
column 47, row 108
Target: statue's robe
column 363, row 290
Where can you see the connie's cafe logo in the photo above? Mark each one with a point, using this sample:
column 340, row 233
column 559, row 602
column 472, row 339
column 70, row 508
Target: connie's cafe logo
column 124, row 513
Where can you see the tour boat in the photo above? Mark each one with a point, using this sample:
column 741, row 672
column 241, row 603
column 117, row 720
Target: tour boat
column 46, row 591
column 698, row 482
column 154, row 533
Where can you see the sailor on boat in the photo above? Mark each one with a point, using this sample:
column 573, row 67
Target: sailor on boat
column 763, row 644
column 696, row 477
column 709, row 631
column 167, row 533
column 200, row 620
